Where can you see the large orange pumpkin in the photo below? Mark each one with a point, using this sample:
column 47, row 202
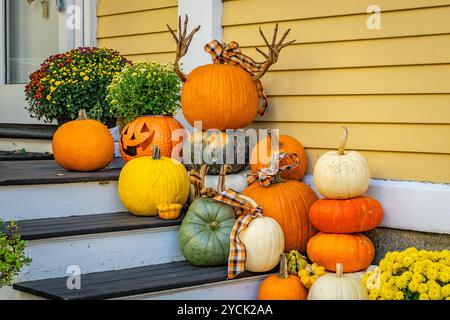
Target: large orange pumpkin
column 138, row 136
column 354, row 251
column 83, row 144
column 287, row 202
column 346, row 216
column 282, row 286
column 222, row 96
column 261, row 154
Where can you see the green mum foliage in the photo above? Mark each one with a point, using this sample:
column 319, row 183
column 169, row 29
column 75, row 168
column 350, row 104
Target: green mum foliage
column 145, row 88
column 12, row 253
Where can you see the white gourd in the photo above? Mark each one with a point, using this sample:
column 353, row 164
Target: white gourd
column 338, row 286
column 342, row 174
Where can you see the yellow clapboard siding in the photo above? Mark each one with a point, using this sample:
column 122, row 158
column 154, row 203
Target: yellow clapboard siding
column 140, row 44
column 363, row 108
column 399, row 165
column 374, row 137
column 137, row 22
column 257, row 11
column 379, row 80
column 156, row 57
column 109, row 7
column 362, row 53
column 394, row 24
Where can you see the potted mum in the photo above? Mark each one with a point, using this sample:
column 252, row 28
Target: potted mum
column 146, row 95
column 68, row 82
column 12, row 257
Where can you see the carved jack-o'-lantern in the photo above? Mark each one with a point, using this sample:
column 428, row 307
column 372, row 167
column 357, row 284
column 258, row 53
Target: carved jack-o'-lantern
column 138, row 136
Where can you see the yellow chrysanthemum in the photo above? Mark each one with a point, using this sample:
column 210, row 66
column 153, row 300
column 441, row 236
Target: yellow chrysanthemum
column 445, row 290
column 417, row 277
column 423, row 296
column 444, row 277
column 423, row 288
column 48, row 97
column 413, row 286
column 434, row 294
column 373, row 295
column 432, row 274
column 387, row 294
column 407, row 261
column 399, row 295
column 86, row 78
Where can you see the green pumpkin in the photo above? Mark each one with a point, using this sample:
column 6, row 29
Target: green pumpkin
column 204, row 235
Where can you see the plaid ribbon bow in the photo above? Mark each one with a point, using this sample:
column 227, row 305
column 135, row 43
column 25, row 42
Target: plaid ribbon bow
column 231, row 54
column 266, row 176
column 237, row 255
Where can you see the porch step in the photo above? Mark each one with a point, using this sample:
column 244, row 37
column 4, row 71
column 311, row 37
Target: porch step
column 144, row 282
column 96, row 243
column 32, row 138
column 42, row 189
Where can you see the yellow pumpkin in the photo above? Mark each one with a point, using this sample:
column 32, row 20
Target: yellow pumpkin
column 146, row 182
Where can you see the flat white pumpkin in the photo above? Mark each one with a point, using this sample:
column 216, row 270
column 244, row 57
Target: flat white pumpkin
column 338, row 286
column 342, row 174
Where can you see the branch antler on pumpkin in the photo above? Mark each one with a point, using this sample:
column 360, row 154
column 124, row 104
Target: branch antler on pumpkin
column 183, row 43
column 274, row 50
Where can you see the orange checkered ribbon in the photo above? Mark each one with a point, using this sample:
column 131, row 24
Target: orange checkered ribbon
column 237, row 255
column 231, row 54
column 266, row 176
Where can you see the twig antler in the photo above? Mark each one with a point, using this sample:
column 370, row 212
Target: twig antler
column 183, row 43
column 274, row 50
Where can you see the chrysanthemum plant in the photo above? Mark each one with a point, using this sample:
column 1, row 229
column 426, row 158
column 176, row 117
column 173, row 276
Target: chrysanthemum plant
column 12, row 253
column 145, row 88
column 68, row 82
column 410, row 275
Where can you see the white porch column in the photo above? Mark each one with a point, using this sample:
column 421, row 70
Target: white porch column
column 208, row 14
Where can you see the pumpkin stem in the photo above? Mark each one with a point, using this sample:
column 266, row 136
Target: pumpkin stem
column 224, row 170
column 156, row 152
column 339, row 270
column 283, row 273
column 341, row 150
column 82, row 115
column 214, row 225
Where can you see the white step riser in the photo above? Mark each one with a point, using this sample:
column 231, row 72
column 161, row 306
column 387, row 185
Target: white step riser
column 30, row 145
column 101, row 252
column 244, row 289
column 23, row 202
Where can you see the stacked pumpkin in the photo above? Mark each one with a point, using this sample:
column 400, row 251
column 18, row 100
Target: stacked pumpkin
column 343, row 177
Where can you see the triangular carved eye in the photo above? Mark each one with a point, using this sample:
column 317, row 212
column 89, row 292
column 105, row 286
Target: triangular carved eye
column 132, row 137
column 126, row 131
column 145, row 128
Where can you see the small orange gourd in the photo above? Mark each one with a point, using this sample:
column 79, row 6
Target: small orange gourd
column 282, row 286
column 83, row 144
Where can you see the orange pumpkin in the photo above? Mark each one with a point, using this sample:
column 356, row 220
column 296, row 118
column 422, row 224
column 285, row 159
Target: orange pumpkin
column 287, row 202
column 261, row 153
column 354, row 251
column 282, row 286
column 346, row 216
column 222, row 96
column 138, row 136
column 83, row 144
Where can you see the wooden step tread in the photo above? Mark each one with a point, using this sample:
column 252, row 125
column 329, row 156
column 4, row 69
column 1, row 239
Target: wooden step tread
column 20, row 156
column 27, row 131
column 48, row 172
column 128, row 282
column 89, row 224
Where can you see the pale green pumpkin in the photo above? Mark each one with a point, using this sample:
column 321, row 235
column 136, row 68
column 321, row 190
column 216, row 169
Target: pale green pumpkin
column 204, row 235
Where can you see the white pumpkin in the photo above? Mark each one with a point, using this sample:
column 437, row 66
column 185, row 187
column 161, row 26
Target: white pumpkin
column 264, row 243
column 342, row 174
column 237, row 182
column 338, row 286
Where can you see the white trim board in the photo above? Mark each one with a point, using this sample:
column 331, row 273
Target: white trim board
column 208, row 14
column 417, row 206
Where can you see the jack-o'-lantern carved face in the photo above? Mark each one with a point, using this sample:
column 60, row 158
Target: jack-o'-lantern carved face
column 138, row 136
